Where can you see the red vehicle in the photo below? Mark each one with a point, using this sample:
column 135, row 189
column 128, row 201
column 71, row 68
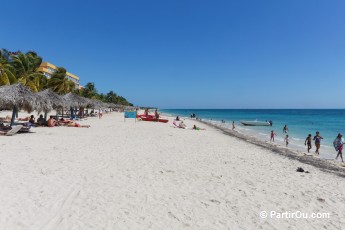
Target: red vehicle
column 152, row 118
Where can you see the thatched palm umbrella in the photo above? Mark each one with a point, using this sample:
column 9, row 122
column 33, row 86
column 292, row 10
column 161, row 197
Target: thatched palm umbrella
column 56, row 101
column 74, row 100
column 18, row 96
column 93, row 104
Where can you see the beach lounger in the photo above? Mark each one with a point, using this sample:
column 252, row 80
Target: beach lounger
column 25, row 129
column 175, row 125
column 14, row 130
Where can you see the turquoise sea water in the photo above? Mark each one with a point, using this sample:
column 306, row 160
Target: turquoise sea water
column 300, row 122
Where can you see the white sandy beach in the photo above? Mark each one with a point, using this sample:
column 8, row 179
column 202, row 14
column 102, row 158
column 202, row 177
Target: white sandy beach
column 147, row 175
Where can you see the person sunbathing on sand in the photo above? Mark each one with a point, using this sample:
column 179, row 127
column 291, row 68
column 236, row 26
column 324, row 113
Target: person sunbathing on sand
column 4, row 127
column 182, row 125
column 75, row 124
column 5, row 119
column 197, row 128
column 64, row 121
column 24, row 119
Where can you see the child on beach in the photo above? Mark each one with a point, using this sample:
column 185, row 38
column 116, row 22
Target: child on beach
column 286, row 140
column 317, row 138
column 272, row 136
column 308, row 142
column 338, row 144
column 285, row 129
column 233, row 125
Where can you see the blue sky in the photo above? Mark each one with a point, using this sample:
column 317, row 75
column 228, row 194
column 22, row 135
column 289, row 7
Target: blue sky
column 191, row 54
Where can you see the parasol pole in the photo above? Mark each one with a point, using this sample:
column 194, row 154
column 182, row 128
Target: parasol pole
column 14, row 112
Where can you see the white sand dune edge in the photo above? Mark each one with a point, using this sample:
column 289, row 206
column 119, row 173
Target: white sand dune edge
column 146, row 175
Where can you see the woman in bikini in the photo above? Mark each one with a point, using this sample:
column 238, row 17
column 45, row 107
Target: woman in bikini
column 317, row 138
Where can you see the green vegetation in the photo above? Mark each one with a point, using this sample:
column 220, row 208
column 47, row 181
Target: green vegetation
column 23, row 68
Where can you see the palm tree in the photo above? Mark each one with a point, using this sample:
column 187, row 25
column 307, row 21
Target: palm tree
column 101, row 97
column 26, row 69
column 6, row 70
column 90, row 91
column 60, row 83
column 79, row 92
column 111, row 97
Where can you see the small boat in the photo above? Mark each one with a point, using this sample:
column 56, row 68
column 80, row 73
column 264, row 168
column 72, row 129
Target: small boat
column 143, row 115
column 256, row 123
column 154, row 119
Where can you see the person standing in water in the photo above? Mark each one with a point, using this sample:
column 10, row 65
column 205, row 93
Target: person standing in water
column 286, row 140
column 338, row 144
column 272, row 136
column 233, row 125
column 285, row 129
column 308, row 142
column 317, row 138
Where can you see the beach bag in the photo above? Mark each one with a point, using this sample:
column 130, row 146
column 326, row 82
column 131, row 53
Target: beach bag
column 337, row 144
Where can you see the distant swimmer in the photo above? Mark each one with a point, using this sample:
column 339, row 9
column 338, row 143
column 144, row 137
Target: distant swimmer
column 286, row 140
column 233, row 125
column 317, row 138
column 271, row 123
column 285, row 129
column 308, row 142
column 273, row 134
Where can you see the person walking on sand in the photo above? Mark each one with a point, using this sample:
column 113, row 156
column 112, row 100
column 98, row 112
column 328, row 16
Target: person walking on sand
column 317, row 138
column 273, row 134
column 286, row 140
column 308, row 142
column 100, row 113
column 338, row 144
column 285, row 129
column 233, row 125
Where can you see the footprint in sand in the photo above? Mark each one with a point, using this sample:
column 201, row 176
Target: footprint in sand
column 321, row 200
column 215, row 201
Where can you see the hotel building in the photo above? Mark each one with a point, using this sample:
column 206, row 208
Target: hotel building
column 48, row 69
